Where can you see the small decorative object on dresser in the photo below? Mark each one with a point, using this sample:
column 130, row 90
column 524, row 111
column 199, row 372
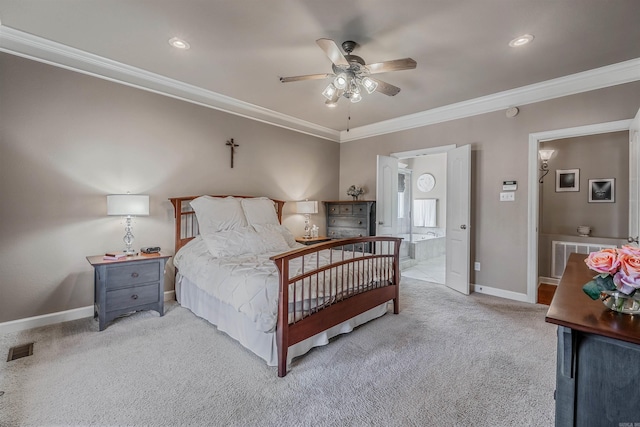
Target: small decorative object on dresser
column 355, row 192
column 351, row 219
column 125, row 285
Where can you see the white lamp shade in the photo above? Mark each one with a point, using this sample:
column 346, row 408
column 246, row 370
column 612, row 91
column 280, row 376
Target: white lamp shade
column 545, row 155
column 128, row 204
column 307, row 207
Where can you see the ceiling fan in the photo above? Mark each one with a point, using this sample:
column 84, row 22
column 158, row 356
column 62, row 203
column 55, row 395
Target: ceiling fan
column 351, row 74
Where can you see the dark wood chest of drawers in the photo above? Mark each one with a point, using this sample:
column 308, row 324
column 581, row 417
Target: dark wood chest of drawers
column 350, row 218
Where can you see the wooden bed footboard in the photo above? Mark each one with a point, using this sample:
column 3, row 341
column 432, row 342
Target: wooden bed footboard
column 315, row 296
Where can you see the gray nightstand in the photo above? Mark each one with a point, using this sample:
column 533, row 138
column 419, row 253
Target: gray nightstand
column 123, row 286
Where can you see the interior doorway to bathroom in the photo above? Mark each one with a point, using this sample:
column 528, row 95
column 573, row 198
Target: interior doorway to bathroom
column 422, row 195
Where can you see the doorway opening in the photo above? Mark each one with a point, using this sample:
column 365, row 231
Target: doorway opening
column 534, row 233
column 422, row 204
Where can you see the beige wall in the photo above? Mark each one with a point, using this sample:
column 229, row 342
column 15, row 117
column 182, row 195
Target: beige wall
column 596, row 156
column 499, row 152
column 67, row 140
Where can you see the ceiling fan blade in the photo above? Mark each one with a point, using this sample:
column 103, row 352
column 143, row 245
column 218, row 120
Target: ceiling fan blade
column 386, row 88
column 307, row 77
column 394, row 65
column 333, row 51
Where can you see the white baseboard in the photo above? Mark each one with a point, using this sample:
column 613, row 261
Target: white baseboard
column 57, row 317
column 548, row 280
column 516, row 296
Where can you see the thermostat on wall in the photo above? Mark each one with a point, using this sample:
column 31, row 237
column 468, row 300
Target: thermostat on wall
column 509, row 185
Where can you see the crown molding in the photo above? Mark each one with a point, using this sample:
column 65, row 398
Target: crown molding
column 42, row 50
column 39, row 49
column 598, row 78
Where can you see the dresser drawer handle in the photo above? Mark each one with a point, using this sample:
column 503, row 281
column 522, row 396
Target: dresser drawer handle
column 333, row 221
column 359, row 222
column 134, row 296
column 359, row 235
column 134, row 274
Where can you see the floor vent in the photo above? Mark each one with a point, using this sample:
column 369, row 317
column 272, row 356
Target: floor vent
column 20, row 351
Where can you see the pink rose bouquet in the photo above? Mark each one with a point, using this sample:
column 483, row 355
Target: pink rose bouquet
column 618, row 269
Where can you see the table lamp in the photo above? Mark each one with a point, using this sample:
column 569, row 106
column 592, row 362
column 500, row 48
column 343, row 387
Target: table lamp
column 307, row 207
column 128, row 206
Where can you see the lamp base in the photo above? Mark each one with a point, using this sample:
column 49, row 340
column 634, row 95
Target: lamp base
column 130, row 252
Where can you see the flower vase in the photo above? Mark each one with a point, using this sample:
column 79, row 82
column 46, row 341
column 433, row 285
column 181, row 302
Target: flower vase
column 355, row 198
column 620, row 302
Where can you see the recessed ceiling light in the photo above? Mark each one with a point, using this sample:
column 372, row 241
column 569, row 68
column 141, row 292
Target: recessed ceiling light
column 179, row 43
column 521, row 41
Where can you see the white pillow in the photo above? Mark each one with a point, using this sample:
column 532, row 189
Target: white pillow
column 260, row 210
column 218, row 214
column 280, row 229
column 234, row 242
column 272, row 238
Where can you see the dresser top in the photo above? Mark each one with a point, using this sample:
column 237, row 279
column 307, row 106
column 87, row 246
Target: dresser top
column 572, row 308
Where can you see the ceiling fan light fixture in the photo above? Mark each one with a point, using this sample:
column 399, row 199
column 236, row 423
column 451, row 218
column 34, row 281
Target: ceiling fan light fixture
column 355, row 97
column 369, row 85
column 330, row 91
column 340, row 82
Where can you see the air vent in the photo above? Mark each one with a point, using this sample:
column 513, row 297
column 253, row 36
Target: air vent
column 20, row 351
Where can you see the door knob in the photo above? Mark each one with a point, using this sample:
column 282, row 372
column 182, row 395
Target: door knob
column 632, row 240
column 380, row 222
column 463, row 227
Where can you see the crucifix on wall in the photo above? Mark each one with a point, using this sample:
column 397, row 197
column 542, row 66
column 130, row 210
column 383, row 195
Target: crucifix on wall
column 233, row 146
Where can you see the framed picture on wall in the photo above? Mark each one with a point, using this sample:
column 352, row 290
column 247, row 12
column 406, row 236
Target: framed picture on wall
column 602, row 190
column 567, row 180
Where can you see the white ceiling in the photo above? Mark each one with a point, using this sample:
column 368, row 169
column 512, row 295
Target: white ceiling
column 239, row 48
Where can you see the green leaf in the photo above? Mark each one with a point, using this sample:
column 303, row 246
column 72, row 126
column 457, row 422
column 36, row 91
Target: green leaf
column 605, row 282
column 592, row 290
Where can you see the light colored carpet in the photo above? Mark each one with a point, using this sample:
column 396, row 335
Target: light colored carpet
column 445, row 360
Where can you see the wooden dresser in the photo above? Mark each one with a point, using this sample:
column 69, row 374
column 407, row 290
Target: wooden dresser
column 346, row 218
column 597, row 372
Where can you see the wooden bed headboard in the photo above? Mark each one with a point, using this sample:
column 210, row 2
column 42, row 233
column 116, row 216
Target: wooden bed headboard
column 186, row 225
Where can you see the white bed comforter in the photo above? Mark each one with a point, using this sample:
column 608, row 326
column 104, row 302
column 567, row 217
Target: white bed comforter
column 249, row 283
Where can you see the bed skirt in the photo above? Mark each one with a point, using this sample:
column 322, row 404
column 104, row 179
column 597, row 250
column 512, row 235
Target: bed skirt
column 240, row 328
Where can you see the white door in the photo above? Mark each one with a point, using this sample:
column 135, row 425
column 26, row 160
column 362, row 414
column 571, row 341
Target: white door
column 387, row 196
column 458, row 218
column 634, row 175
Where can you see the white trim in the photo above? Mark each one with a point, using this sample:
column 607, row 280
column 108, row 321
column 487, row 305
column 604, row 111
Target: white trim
column 57, row 317
column 52, row 53
column 516, row 296
column 533, row 203
column 46, row 319
column 423, row 152
column 548, row 281
column 39, row 49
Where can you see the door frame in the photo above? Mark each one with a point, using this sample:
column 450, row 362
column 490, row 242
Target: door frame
column 534, row 202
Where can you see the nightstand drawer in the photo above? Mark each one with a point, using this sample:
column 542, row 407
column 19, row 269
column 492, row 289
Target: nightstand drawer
column 355, row 222
column 132, row 274
column 132, row 297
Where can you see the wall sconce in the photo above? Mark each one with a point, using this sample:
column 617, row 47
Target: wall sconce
column 128, row 205
column 545, row 155
column 307, row 207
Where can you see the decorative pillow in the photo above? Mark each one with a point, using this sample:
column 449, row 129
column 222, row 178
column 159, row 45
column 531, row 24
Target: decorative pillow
column 280, row 229
column 260, row 210
column 218, row 214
